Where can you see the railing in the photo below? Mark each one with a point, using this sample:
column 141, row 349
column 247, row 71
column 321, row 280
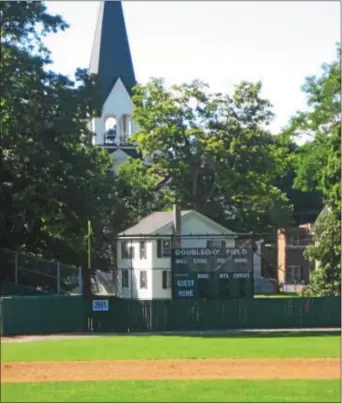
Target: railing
column 41, row 274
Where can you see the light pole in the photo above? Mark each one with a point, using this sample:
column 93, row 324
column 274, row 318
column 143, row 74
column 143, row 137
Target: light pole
column 89, row 235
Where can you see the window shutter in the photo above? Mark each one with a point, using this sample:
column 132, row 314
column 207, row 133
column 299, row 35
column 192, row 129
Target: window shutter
column 159, row 248
column 141, row 279
column 164, row 285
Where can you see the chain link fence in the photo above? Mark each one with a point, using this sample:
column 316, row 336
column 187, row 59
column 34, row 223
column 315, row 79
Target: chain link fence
column 34, row 271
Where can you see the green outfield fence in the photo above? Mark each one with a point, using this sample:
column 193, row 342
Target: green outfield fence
column 60, row 314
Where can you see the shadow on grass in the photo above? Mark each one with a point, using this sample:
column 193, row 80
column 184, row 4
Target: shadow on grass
column 256, row 335
column 235, row 334
column 199, row 334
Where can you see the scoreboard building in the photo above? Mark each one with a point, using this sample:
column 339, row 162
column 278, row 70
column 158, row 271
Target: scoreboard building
column 204, row 261
column 202, row 273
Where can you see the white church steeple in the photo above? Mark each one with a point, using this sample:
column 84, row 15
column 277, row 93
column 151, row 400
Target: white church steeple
column 111, row 60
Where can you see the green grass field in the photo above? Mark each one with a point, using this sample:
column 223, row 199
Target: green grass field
column 174, row 391
column 168, row 347
column 163, row 347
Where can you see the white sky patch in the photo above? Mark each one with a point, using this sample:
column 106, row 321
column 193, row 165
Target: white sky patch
column 221, row 43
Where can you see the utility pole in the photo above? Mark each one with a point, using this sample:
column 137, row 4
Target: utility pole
column 89, row 235
column 87, row 274
column 177, row 224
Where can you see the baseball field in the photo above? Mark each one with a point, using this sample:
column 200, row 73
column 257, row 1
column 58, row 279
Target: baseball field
column 277, row 367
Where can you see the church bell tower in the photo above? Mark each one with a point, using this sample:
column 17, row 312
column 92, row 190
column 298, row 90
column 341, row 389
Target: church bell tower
column 111, row 60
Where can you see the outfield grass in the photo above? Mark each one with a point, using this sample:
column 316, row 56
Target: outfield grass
column 174, row 391
column 294, row 345
column 176, row 347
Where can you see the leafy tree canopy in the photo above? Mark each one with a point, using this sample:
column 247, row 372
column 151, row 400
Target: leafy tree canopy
column 317, row 162
column 53, row 180
column 222, row 160
column 318, row 168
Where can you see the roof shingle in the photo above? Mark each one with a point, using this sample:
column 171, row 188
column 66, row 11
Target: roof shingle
column 111, row 57
column 152, row 223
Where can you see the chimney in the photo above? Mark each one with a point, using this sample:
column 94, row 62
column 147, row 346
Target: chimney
column 177, row 224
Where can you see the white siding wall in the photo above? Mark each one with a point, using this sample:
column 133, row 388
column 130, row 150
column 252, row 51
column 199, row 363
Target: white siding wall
column 194, row 224
column 135, row 263
column 134, row 266
column 133, row 291
column 155, row 266
column 158, row 292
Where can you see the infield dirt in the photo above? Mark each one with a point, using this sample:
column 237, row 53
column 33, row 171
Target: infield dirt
column 329, row 368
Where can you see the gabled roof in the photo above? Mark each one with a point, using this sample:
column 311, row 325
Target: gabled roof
column 325, row 210
column 152, row 223
column 130, row 151
column 160, row 219
column 111, row 57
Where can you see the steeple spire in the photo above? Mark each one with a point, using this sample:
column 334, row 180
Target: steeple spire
column 111, row 57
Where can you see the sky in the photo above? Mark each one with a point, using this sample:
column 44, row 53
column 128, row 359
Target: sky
column 221, row 43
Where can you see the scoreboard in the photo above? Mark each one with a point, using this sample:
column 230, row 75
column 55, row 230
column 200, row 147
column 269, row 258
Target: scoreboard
column 219, row 273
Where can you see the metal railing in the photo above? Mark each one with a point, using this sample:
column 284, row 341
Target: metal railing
column 42, row 274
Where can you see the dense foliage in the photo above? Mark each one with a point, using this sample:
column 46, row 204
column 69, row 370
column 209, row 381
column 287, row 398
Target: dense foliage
column 318, row 168
column 52, row 180
column 217, row 149
column 222, row 161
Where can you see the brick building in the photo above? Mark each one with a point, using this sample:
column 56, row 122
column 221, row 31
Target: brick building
column 293, row 267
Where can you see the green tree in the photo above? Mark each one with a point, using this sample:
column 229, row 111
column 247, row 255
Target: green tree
column 222, row 160
column 326, row 253
column 137, row 194
column 318, row 162
column 318, row 167
column 307, row 202
column 53, row 180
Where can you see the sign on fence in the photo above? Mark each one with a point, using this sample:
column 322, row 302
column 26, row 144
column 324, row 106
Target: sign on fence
column 101, row 305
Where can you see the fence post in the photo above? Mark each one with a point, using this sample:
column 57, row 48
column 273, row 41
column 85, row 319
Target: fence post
column 58, row 267
column 15, row 267
column 253, row 262
column 80, row 279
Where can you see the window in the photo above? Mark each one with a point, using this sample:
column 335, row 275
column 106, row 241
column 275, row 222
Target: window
column 166, row 279
column 110, row 130
column 127, row 250
column 124, row 279
column 110, row 123
column 294, row 274
column 142, row 250
column 294, row 240
column 216, row 243
column 143, row 279
column 163, row 248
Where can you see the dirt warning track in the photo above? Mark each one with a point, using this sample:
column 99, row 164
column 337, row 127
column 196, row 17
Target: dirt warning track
column 172, row 369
